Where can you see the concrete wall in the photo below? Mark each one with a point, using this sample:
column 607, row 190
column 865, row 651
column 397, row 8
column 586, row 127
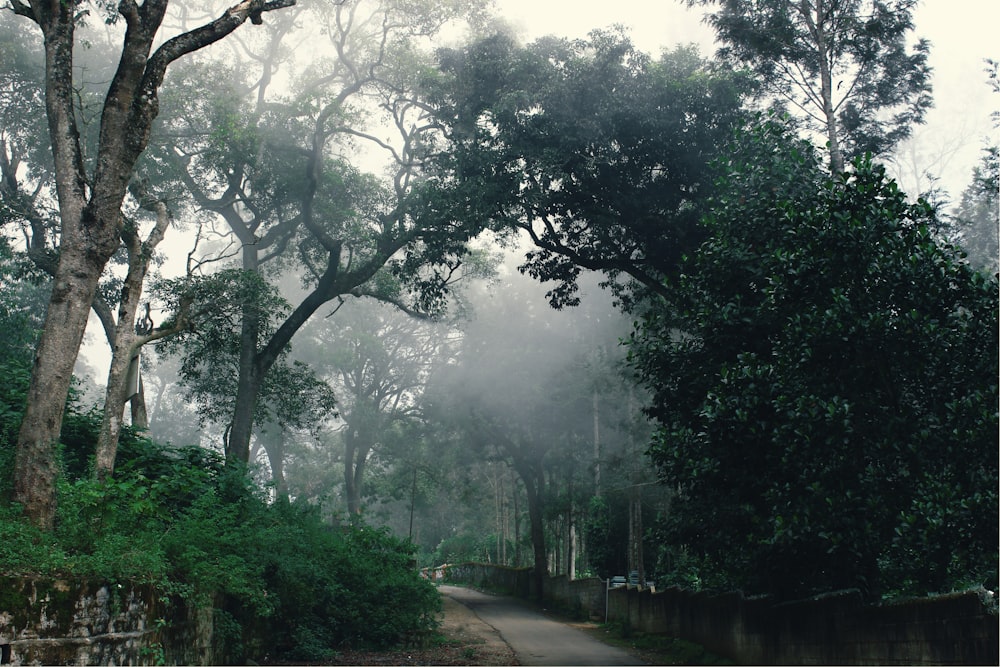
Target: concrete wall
column 509, row 580
column 837, row 628
column 95, row 623
column 585, row 596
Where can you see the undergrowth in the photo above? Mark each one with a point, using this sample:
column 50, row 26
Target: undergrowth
column 202, row 532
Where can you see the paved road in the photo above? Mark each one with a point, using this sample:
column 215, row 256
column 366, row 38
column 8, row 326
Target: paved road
column 537, row 640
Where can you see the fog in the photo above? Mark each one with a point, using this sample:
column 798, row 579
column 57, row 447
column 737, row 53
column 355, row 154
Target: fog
column 439, row 394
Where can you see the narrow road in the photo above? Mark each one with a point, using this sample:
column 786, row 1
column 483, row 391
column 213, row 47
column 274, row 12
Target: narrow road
column 535, row 639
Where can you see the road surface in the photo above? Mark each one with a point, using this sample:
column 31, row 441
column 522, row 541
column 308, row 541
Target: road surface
column 536, row 639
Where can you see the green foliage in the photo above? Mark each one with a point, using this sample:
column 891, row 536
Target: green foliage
column 978, row 215
column 605, row 537
column 597, row 151
column 827, row 387
column 468, row 546
column 848, row 68
column 210, row 351
column 201, row 531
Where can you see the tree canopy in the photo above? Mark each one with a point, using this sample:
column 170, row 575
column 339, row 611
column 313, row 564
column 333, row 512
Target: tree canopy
column 596, row 152
column 845, row 67
column 825, row 386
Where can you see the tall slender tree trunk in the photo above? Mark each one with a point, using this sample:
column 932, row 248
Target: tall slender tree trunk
column 534, row 487
column 241, row 427
column 275, row 451
column 357, row 448
column 517, row 525
column 128, row 339
column 597, row 443
column 114, row 401
column 250, row 375
column 817, row 25
column 571, row 549
column 635, row 530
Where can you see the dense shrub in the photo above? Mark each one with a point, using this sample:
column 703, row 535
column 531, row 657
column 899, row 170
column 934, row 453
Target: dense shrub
column 825, row 383
column 203, row 532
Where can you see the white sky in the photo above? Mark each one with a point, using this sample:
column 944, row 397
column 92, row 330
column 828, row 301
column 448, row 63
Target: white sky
column 962, row 34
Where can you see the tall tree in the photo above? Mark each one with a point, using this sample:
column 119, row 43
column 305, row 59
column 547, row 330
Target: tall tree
column 593, row 150
column 377, row 358
column 27, row 184
column 272, row 168
column 977, row 217
column 826, row 389
column 844, row 66
column 519, row 394
column 291, row 397
column 90, row 202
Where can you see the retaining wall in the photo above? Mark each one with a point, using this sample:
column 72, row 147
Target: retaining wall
column 59, row 622
column 837, row 628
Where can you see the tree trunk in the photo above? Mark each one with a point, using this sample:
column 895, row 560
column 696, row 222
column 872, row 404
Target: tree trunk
column 534, row 487
column 35, row 465
column 571, row 538
column 128, row 339
column 241, row 427
column 517, row 526
column 114, row 401
column 275, row 450
column 597, row 444
column 140, row 418
column 635, row 556
column 250, row 375
column 357, row 447
column 823, row 48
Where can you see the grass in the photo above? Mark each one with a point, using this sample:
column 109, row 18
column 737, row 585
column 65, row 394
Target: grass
column 656, row 649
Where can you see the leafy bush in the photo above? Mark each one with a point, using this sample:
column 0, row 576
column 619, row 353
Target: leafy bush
column 825, row 383
column 203, row 532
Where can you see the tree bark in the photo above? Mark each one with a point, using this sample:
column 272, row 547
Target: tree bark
column 140, row 417
column 35, row 466
column 597, row 443
column 817, row 26
column 357, row 448
column 128, row 339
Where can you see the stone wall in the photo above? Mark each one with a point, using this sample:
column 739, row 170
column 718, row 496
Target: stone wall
column 837, row 628
column 58, row 622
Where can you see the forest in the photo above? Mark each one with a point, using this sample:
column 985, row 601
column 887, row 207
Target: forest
column 374, row 285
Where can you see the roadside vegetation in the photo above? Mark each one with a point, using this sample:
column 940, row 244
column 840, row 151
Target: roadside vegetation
column 205, row 534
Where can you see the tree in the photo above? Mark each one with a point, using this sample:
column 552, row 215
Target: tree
column 824, row 380
column 594, row 151
column 843, row 65
column 90, row 203
column 272, row 168
column 27, row 183
column 377, row 358
column 291, row 395
column 520, row 393
column 978, row 214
